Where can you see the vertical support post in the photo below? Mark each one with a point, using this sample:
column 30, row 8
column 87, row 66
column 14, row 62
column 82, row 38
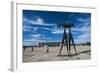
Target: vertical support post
column 62, row 43
column 66, row 38
column 69, row 41
column 72, row 41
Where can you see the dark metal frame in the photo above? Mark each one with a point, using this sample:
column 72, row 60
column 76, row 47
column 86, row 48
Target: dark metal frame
column 67, row 38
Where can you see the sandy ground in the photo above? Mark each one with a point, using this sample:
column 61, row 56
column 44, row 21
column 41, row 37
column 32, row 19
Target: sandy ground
column 39, row 54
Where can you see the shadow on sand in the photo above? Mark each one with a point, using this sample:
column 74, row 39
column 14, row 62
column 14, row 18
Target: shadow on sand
column 75, row 54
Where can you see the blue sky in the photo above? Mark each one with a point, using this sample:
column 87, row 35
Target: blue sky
column 41, row 26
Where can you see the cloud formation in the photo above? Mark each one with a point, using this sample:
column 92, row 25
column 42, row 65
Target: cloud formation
column 43, row 27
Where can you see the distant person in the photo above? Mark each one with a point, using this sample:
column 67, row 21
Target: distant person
column 32, row 48
column 47, row 48
column 24, row 48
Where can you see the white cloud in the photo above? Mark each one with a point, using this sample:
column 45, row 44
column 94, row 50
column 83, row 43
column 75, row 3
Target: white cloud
column 36, row 35
column 84, row 37
column 81, row 29
column 37, row 20
column 29, row 28
column 26, row 28
column 47, row 29
column 84, row 29
column 57, row 31
column 85, row 25
column 27, row 42
column 35, row 28
column 83, row 19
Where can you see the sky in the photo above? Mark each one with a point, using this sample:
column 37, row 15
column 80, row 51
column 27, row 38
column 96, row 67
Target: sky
column 41, row 26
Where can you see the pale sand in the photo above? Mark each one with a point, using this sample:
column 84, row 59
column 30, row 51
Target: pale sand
column 39, row 54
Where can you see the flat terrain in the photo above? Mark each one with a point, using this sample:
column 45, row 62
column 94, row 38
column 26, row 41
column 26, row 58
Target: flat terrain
column 39, row 54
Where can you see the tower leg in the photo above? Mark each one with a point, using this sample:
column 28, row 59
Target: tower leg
column 72, row 41
column 66, row 38
column 61, row 45
column 69, row 44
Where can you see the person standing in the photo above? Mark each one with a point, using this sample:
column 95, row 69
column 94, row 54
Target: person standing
column 47, row 48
